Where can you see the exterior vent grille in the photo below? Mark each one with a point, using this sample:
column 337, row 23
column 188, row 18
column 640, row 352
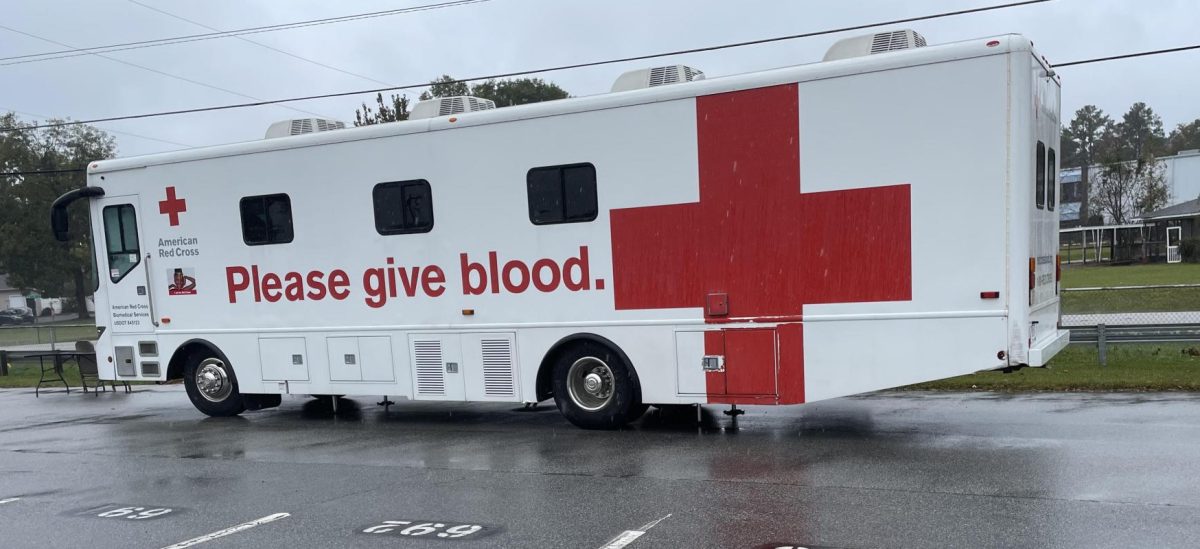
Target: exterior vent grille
column 450, row 105
column 657, row 76
column 303, row 125
column 868, row 44
column 889, row 41
column 427, row 355
column 445, row 106
column 497, row 368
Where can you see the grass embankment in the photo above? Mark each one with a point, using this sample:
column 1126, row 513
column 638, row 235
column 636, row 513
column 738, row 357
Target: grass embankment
column 1143, row 367
column 1127, row 301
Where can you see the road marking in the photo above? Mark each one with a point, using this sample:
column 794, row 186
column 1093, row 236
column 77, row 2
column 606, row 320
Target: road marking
column 227, row 531
column 628, row 536
column 8, row 500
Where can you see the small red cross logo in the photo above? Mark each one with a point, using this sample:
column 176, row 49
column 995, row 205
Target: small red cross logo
column 172, row 206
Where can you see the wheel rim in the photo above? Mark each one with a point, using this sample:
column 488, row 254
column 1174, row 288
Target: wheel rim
column 213, row 381
column 590, row 383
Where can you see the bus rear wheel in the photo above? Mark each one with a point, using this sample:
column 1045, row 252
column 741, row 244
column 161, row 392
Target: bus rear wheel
column 594, row 388
column 212, row 386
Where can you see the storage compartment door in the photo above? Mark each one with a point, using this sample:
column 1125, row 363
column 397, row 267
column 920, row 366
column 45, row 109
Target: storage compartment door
column 375, row 356
column 344, row 359
column 491, row 366
column 283, row 359
column 750, row 362
column 436, row 367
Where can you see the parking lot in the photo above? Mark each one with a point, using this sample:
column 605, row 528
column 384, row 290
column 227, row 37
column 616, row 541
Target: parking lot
column 885, row 470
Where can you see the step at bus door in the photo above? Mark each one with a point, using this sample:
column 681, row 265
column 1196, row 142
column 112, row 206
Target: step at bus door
column 750, row 362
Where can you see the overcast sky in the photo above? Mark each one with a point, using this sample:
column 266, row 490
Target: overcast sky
column 508, row 35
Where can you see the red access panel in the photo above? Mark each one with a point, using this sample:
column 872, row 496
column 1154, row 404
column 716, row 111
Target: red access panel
column 749, row 361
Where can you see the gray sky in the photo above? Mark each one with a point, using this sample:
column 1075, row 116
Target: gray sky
column 509, row 35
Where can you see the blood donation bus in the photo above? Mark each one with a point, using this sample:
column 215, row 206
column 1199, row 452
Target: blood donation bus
column 880, row 218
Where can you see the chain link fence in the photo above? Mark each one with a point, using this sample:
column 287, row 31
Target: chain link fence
column 57, row 336
column 1131, row 305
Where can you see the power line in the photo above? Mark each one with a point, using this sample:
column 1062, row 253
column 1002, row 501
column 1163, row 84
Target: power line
column 131, row 134
column 42, row 172
column 74, row 52
column 541, row 70
column 260, row 44
column 156, row 71
column 1127, row 56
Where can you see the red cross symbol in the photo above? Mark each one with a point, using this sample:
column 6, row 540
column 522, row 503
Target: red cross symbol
column 754, row 235
column 172, row 206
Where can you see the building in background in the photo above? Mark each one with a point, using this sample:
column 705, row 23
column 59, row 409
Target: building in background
column 10, row 297
column 1182, row 173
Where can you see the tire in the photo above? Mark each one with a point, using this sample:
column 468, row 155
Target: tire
column 594, row 387
column 212, row 386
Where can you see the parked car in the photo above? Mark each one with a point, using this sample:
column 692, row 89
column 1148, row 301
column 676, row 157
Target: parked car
column 16, row 315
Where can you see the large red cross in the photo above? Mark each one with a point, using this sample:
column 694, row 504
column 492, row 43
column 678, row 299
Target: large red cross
column 172, row 206
column 754, row 235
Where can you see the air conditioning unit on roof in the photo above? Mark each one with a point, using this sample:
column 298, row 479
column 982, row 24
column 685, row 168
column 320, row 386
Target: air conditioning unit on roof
column 445, row 106
column 882, row 42
column 303, row 125
column 657, row 76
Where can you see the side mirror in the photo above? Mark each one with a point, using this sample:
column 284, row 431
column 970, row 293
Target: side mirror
column 59, row 222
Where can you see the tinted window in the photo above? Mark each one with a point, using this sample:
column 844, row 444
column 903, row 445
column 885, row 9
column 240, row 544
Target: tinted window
column 1039, row 192
column 121, row 240
column 1052, row 180
column 403, row 207
column 562, row 194
column 266, row 219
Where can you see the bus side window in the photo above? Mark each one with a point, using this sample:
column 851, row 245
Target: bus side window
column 266, row 219
column 1039, row 192
column 1051, row 180
column 562, row 194
column 403, row 207
column 121, row 240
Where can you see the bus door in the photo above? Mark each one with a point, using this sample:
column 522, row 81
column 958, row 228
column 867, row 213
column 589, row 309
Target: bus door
column 123, row 268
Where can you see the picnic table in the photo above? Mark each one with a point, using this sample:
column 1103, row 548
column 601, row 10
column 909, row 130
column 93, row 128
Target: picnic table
column 58, row 357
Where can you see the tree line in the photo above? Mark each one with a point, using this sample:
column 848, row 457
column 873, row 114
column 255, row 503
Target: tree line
column 1120, row 174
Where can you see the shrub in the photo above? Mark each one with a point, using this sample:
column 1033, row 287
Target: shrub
column 1189, row 249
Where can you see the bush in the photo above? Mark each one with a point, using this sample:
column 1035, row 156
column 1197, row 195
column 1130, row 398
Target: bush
column 1189, row 249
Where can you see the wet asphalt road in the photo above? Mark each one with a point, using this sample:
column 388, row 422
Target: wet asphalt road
column 886, row 470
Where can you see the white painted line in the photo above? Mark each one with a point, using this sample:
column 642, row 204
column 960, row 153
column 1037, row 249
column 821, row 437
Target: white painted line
column 8, row 500
column 227, row 531
column 629, row 536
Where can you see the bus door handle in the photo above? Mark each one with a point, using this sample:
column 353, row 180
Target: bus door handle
column 150, row 293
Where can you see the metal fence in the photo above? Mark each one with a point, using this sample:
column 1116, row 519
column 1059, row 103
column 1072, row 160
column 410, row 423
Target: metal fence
column 1131, row 305
column 55, row 336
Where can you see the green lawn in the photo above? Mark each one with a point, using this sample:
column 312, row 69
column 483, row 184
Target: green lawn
column 24, row 373
column 1076, row 253
column 1131, row 301
column 1075, row 276
column 1143, row 367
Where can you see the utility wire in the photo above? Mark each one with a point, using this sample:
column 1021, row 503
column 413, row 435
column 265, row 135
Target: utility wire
column 119, row 132
column 74, row 52
column 1127, row 56
column 156, row 71
column 42, row 172
column 262, row 45
column 540, row 70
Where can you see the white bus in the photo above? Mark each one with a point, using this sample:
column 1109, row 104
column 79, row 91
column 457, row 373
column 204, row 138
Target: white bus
column 884, row 217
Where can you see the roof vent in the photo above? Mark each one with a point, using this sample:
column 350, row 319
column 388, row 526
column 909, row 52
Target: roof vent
column 858, row 46
column 445, row 106
column 303, row 125
column 657, row 76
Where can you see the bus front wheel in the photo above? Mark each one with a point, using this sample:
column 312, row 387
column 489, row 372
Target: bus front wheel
column 595, row 389
column 212, row 386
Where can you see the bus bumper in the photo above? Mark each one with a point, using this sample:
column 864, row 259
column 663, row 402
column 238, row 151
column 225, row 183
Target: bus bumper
column 1040, row 354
